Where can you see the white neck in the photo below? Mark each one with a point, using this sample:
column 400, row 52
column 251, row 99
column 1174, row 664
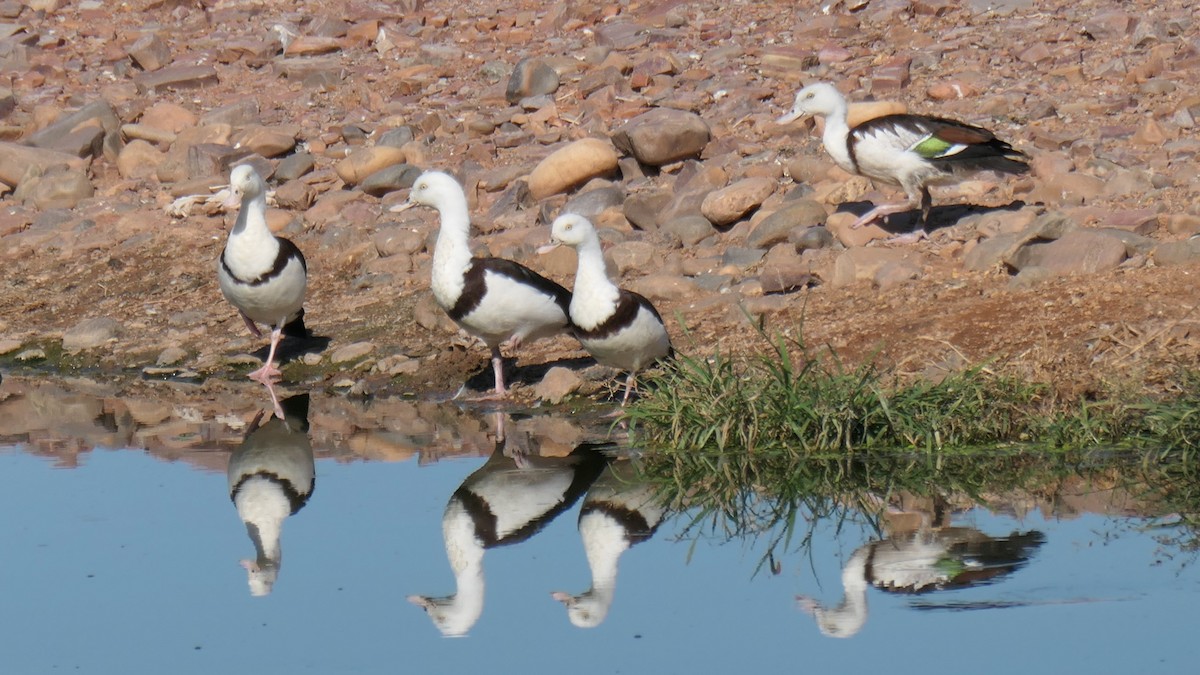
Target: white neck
column 452, row 253
column 848, row 617
column 594, row 296
column 837, row 131
column 252, row 218
column 263, row 507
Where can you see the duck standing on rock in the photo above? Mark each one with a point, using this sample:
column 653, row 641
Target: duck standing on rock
column 619, row 328
column 910, row 151
column 496, row 300
column 263, row 275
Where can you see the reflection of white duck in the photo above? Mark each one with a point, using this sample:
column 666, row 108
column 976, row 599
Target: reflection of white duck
column 920, row 562
column 616, row 514
column 271, row 476
column 505, row 501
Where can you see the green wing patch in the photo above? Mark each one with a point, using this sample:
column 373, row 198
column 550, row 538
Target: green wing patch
column 931, row 147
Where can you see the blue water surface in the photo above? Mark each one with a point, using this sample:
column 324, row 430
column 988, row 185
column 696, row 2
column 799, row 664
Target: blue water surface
column 129, row 564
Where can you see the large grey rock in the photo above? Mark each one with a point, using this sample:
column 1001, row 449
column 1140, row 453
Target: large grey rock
column 662, row 136
column 16, row 161
column 390, row 179
column 72, row 134
column 1077, row 252
column 59, row 187
column 1003, row 248
column 690, row 230
column 642, row 209
column 777, row 226
column 865, row 263
column 531, row 77
column 90, row 334
column 1178, row 252
column 593, row 202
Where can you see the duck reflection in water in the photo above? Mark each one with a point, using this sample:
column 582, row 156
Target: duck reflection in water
column 617, row 513
column 512, row 497
column 919, row 559
column 271, row 476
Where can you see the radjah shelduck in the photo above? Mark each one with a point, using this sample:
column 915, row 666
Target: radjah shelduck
column 618, row 512
column 618, row 327
column 909, row 151
column 498, row 301
column 922, row 561
column 262, row 275
column 271, row 476
column 509, row 499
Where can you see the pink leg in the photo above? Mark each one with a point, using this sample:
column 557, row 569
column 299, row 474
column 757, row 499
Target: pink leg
column 269, row 371
column 882, row 210
column 498, row 369
column 274, row 400
column 250, row 324
column 628, row 388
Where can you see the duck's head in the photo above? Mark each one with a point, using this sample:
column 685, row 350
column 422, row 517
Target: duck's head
column 821, row 98
column 584, row 611
column 432, row 189
column 451, row 617
column 244, row 183
column 570, row 229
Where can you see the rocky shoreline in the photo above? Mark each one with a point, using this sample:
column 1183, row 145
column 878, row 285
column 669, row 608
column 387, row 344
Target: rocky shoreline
column 654, row 119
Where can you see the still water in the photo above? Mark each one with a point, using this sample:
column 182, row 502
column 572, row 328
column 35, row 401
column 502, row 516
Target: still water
column 124, row 553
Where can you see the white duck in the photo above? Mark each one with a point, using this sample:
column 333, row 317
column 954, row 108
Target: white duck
column 618, row 327
column 909, row 151
column 263, row 275
column 617, row 513
column 271, row 476
column 919, row 561
column 505, row 501
column 497, row 300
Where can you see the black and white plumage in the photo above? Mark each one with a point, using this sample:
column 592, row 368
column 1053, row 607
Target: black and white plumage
column 263, row 275
column 920, row 562
column 506, row 501
column 909, row 151
column 619, row 328
column 618, row 512
column 271, row 476
column 496, row 300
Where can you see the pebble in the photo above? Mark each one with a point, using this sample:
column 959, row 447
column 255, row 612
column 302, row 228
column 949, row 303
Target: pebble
column 690, row 230
column 181, row 77
column 390, row 179
column 557, row 384
column 805, row 238
column 150, row 52
column 592, row 203
column 363, row 162
column 531, row 77
column 727, row 205
column 351, row 352
column 571, row 165
column 139, row 159
column 295, row 166
column 863, row 264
